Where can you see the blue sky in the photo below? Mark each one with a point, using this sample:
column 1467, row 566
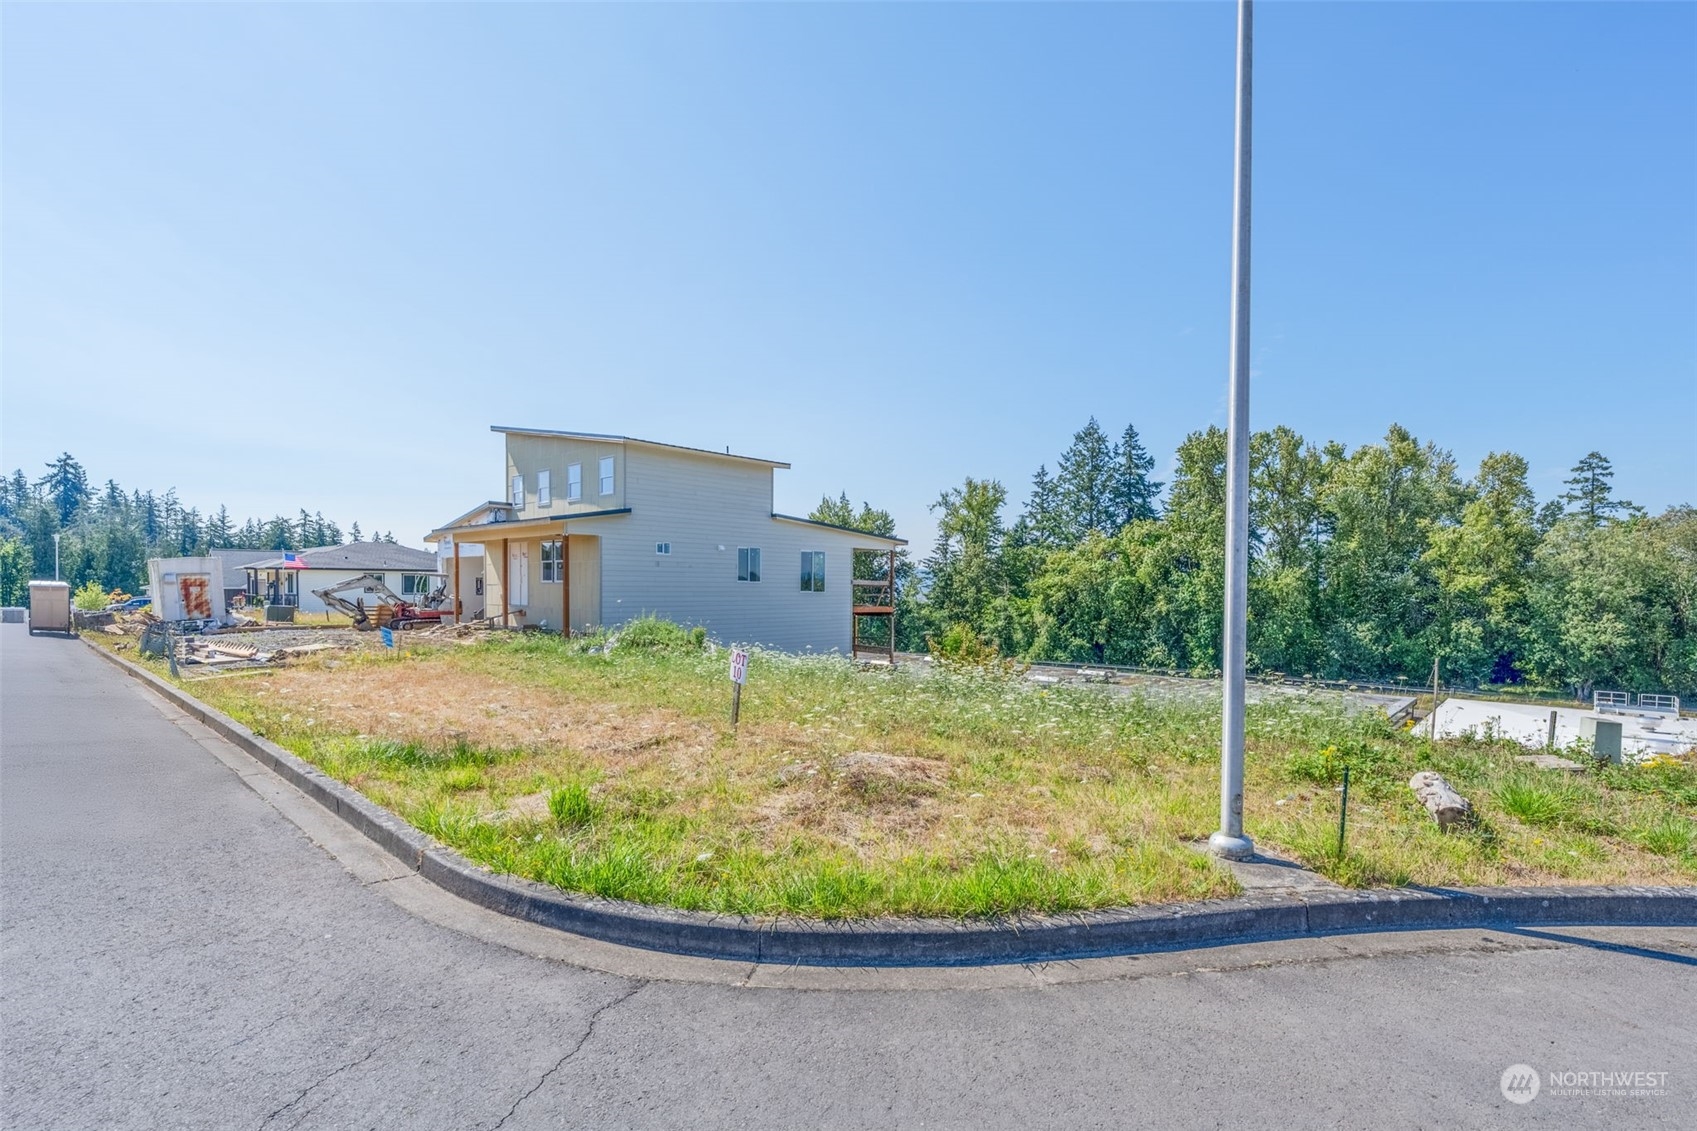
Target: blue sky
column 304, row 255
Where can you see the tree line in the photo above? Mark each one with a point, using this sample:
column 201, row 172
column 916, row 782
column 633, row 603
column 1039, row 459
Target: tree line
column 1364, row 564
column 107, row 534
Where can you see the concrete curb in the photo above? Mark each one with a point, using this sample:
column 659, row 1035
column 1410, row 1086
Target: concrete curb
column 936, row 942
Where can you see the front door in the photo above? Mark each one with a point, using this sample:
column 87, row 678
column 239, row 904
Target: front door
column 518, row 571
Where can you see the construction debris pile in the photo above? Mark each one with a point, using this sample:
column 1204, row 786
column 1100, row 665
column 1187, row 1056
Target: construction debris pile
column 240, row 648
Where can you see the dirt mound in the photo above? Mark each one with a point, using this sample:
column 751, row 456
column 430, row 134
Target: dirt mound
column 873, row 775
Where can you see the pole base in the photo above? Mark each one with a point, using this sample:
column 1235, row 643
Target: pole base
column 1229, row 847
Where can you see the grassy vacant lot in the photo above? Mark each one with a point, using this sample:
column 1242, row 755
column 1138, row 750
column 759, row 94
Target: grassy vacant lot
column 618, row 774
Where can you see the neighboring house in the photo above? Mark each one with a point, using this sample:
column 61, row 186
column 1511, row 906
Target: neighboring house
column 610, row 528
column 235, row 568
column 290, row 579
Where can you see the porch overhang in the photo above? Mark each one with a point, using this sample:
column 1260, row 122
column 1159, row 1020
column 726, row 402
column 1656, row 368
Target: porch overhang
column 485, row 533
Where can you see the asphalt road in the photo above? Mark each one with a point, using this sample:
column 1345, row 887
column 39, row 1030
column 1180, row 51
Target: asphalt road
column 183, row 945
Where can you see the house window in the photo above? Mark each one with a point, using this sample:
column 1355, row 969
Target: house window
column 748, row 563
column 518, row 491
column 662, row 548
column 606, row 475
column 478, row 588
column 813, row 571
column 416, row 584
column 553, row 561
column 544, row 490
column 574, row 482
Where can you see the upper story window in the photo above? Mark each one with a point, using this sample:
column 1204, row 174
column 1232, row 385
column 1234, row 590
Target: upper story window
column 748, row 563
column 553, row 561
column 574, row 482
column 606, row 475
column 662, row 548
column 518, row 491
column 813, row 571
column 544, row 489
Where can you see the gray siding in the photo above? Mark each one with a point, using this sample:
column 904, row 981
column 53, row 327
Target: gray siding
column 526, row 455
column 699, row 504
column 706, row 508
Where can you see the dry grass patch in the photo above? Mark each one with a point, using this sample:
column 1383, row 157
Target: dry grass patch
column 850, row 793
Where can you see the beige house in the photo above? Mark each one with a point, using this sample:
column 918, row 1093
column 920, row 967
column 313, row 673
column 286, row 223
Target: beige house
column 598, row 530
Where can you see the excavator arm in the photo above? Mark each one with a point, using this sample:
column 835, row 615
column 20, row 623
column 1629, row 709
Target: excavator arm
column 355, row 609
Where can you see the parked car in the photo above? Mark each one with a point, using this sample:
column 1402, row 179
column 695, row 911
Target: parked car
column 131, row 605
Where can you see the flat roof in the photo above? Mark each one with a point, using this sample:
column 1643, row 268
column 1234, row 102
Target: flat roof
column 610, row 439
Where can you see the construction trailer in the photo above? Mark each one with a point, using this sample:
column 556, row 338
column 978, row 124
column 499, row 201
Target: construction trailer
column 50, row 607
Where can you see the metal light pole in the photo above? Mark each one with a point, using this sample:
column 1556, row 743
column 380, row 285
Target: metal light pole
column 1230, row 842
column 55, row 557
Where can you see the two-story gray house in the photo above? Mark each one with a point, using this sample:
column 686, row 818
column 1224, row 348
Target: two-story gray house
column 598, row 530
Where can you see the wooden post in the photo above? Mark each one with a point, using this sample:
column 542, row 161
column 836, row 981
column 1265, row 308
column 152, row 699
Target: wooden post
column 506, row 584
column 891, row 575
column 565, row 582
column 459, row 607
column 1550, row 739
column 736, row 703
column 1434, row 698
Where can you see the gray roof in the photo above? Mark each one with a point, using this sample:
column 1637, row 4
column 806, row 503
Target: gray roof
column 236, row 559
column 360, row 556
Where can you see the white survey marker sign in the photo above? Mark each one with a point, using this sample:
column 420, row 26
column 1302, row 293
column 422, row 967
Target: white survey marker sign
column 739, row 666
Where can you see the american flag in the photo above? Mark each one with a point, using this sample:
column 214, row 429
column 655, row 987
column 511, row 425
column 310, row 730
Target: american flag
column 293, row 561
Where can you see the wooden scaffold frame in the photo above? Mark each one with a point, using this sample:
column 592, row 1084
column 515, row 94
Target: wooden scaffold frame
column 874, row 599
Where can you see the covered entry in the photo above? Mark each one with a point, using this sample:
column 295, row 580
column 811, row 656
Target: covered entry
column 535, row 574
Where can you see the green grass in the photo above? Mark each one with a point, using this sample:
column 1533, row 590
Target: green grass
column 1537, row 802
column 613, row 771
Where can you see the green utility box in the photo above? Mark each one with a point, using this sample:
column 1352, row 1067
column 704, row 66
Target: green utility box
column 1603, row 735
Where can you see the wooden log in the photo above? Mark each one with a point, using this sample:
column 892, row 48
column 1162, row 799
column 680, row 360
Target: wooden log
column 1447, row 807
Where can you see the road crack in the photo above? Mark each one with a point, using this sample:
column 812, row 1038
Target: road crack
column 322, row 1080
column 589, row 1031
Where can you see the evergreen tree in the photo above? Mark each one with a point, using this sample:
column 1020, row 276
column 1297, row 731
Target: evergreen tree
column 113, row 502
column 147, row 507
column 1042, row 524
column 66, row 487
column 218, row 532
column 1590, row 495
column 190, row 536
column 1135, row 495
column 1085, row 485
column 354, row 534
column 278, row 534
column 16, row 493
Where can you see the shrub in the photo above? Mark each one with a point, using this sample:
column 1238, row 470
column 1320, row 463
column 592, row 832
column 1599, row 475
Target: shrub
column 651, row 634
column 1368, row 764
column 962, row 647
column 91, row 598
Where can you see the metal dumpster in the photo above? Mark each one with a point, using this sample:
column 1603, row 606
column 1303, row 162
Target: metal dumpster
column 49, row 606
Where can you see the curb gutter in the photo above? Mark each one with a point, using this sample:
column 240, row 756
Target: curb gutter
column 939, row 942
